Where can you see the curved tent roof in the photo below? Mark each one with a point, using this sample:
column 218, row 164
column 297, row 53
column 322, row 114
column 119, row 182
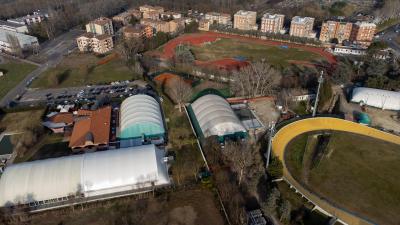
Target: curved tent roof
column 90, row 174
column 140, row 115
column 377, row 98
column 215, row 116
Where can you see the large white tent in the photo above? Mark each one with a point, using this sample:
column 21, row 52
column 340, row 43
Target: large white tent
column 91, row 174
column 377, row 98
column 216, row 117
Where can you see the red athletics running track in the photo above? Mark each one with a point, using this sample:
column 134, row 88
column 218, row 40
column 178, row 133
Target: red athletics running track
column 199, row 38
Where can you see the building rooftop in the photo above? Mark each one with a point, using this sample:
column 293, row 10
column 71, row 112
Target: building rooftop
column 245, row 13
column 22, row 38
column 299, row 19
column 10, row 24
column 93, row 127
column 64, row 117
column 271, row 16
column 101, row 21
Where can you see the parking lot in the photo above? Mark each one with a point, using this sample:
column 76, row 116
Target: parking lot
column 85, row 94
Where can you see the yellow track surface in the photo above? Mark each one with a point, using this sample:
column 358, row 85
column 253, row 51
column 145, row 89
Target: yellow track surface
column 288, row 132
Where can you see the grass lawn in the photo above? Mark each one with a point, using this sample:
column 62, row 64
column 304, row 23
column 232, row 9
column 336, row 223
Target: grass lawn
column 14, row 73
column 229, row 48
column 11, row 122
column 81, row 69
column 358, row 173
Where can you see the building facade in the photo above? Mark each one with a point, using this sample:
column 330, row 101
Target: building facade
column 204, row 25
column 100, row 26
column 219, row 18
column 363, row 33
column 334, row 29
column 245, row 20
column 99, row 44
column 11, row 41
column 302, row 27
column 137, row 31
column 122, row 19
column 272, row 23
column 172, row 26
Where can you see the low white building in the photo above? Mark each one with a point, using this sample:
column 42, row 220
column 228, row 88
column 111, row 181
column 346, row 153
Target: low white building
column 345, row 50
column 378, row 98
column 36, row 17
column 97, row 175
column 16, row 27
column 22, row 40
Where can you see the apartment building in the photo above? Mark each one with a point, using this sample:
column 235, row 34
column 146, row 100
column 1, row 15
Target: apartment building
column 302, row 27
column 172, row 26
column 204, row 25
column 135, row 13
column 363, row 33
column 9, row 40
column 137, row 31
column 122, row 19
column 99, row 44
column 272, row 23
column 334, row 29
column 170, row 15
column 100, row 26
column 151, row 12
column 16, row 27
column 153, row 15
column 36, row 17
column 245, row 20
column 219, row 18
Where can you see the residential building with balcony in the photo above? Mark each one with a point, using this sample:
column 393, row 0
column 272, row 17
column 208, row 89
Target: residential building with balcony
column 137, row 31
column 100, row 26
column 272, row 23
column 245, row 20
column 363, row 33
column 302, row 27
column 204, row 25
column 219, row 18
column 334, row 29
column 99, row 44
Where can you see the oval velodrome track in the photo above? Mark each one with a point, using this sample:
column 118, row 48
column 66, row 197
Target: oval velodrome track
column 290, row 131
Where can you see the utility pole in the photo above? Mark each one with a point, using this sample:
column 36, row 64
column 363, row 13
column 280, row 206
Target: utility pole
column 271, row 135
column 320, row 81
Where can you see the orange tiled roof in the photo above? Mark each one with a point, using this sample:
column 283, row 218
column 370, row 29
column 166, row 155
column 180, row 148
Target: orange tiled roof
column 64, row 117
column 95, row 127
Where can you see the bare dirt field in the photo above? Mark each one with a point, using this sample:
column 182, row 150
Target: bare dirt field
column 191, row 207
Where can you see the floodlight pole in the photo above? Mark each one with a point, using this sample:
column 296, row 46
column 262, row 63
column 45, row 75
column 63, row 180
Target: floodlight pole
column 320, row 81
column 271, row 135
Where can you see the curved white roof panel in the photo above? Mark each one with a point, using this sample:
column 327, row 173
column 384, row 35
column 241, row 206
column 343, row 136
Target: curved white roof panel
column 215, row 116
column 140, row 115
column 91, row 174
column 377, row 98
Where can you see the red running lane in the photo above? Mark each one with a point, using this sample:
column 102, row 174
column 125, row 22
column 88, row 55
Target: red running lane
column 200, row 38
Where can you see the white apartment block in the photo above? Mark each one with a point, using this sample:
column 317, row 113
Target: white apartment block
column 219, row 18
column 16, row 27
column 302, row 27
column 99, row 44
column 100, row 26
column 272, row 23
column 245, row 20
column 22, row 40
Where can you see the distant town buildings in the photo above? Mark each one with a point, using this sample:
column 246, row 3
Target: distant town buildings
column 99, row 44
column 170, row 15
column 219, row 18
column 121, row 19
column 11, row 41
column 100, row 26
column 137, row 31
column 245, row 20
column 204, row 25
column 272, row 23
column 302, row 27
column 363, row 33
column 16, row 27
column 151, row 12
column 335, row 30
column 172, row 26
column 36, row 17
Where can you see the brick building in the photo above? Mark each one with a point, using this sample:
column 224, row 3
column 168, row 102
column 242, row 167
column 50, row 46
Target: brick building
column 334, row 29
column 272, row 23
column 363, row 33
column 245, row 20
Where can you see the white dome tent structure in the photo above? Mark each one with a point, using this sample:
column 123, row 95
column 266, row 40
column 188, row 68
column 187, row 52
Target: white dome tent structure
column 212, row 115
column 56, row 181
column 141, row 121
column 382, row 99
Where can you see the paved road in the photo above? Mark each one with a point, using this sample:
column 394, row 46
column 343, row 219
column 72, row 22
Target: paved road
column 53, row 52
column 390, row 36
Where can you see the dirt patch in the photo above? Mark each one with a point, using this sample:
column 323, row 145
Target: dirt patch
column 265, row 110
